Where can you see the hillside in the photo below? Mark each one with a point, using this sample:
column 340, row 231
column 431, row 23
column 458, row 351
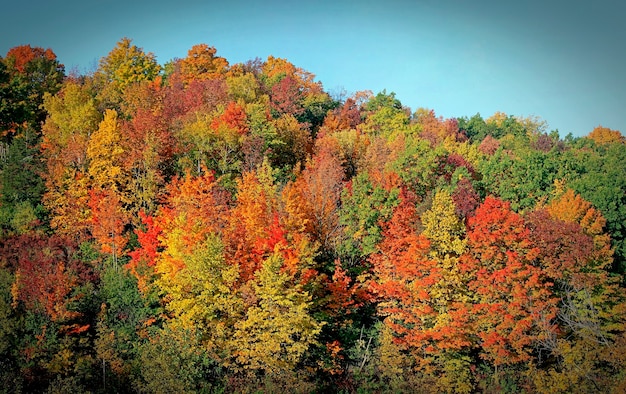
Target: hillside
column 201, row 226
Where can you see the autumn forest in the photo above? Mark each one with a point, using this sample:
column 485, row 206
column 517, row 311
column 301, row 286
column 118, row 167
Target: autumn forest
column 202, row 226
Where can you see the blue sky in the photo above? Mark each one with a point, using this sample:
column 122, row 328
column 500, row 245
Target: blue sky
column 561, row 61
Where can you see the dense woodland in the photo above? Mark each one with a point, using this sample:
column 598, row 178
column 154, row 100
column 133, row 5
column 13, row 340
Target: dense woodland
column 201, row 226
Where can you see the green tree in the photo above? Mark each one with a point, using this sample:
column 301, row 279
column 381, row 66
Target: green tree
column 125, row 320
column 363, row 207
column 26, row 75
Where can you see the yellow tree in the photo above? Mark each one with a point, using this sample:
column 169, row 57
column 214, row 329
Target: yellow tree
column 105, row 154
column 277, row 329
column 450, row 294
column 201, row 295
column 72, row 118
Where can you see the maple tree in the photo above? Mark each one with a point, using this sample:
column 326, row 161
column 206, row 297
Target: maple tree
column 512, row 296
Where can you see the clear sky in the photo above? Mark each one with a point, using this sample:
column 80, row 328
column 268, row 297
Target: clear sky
column 564, row 61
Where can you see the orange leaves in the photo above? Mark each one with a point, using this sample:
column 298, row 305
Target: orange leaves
column 404, row 276
column 571, row 207
column 604, row 135
column 435, row 129
column 202, row 64
column 496, row 229
column 107, row 222
column 21, row 55
column 194, row 208
column 511, row 296
column 234, row 118
column 319, row 188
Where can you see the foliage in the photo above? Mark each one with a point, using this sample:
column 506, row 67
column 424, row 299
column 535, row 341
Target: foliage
column 212, row 227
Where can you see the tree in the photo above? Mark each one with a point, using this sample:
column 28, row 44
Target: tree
column 293, row 142
column 51, row 295
column 21, row 186
column 446, row 233
column 124, row 65
column 286, row 97
column 201, row 295
column 125, row 319
column 195, row 207
column 385, row 116
column 149, row 148
column 403, row 273
column 72, row 118
column 108, row 219
column 174, row 361
column 277, row 330
column 31, row 72
column 512, row 297
column 143, row 259
column 105, row 153
column 600, row 179
column 435, row 130
column 250, row 221
column 320, row 186
column 364, row 208
column 202, row 64
column 604, row 135
column 590, row 318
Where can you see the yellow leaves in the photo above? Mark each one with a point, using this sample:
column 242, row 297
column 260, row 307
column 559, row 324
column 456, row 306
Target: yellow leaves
column 200, row 292
column 105, row 154
column 276, row 68
column 497, row 118
column 126, row 64
column 443, row 228
column 572, row 208
column 276, row 332
column 456, row 376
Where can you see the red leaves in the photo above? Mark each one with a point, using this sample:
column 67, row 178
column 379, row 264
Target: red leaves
column 47, row 274
column 145, row 256
column 494, row 229
column 286, row 96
